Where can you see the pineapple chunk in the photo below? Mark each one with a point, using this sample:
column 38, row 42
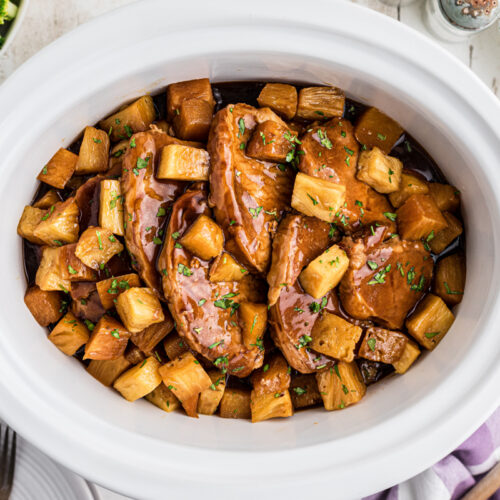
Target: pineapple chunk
column 445, row 237
column 94, row 152
column 191, row 89
column 110, row 288
column 45, row 306
column 235, row 403
column 320, row 103
column 270, row 405
column 419, row 218
column 28, row 222
column 211, row 397
column 59, row 169
column 430, row 321
column 140, row 380
column 138, row 308
column 374, row 128
column 270, row 141
column 383, row 346
column 253, row 320
column 186, row 378
column 409, row 356
column 409, row 185
column 59, row 224
column 273, row 377
column 204, row 238
column 317, row 197
column 304, row 391
column 225, row 268
column 280, row 97
column 96, row 246
column 69, row 334
column 47, row 200
column 379, row 171
column 446, row 197
column 183, row 163
column 134, row 355
column 324, row 272
column 341, row 386
column 151, row 336
column 111, row 207
column 174, row 346
column 449, row 282
column 164, row 398
column 108, row 371
column 72, row 268
column 136, row 117
column 108, row 340
column 48, row 275
column 335, row 337
column 192, row 123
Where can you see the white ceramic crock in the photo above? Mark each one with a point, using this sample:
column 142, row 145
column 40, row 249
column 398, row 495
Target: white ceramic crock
column 404, row 424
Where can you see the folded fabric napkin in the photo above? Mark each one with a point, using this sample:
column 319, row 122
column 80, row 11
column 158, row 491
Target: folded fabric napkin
column 455, row 474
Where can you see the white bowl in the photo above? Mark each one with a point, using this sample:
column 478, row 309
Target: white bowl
column 405, row 423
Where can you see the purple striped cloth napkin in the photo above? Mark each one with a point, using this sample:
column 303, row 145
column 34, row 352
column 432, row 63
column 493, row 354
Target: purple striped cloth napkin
column 455, row 474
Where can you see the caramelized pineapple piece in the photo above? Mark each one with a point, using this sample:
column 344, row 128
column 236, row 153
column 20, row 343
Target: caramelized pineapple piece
column 273, row 377
column 69, row 334
column 28, row 222
column 320, row 103
column 280, row 97
column 317, row 197
column 211, row 397
column 374, row 128
column 204, row 238
column 270, row 405
column 235, row 403
column 225, row 268
column 134, row 355
column 140, row 380
column 446, row 197
column 335, row 337
column 383, row 346
column 191, row 89
column 47, row 200
column 324, row 272
column 341, row 386
column 72, row 268
column 270, row 141
column 59, row 224
column 409, row 185
column 186, row 378
column 136, row 117
column 183, row 163
column 430, row 321
column 409, row 356
column 419, row 218
column 48, row 275
column 45, row 306
column 96, row 246
column 151, row 336
column 253, row 320
column 108, row 340
column 111, row 207
column 94, row 152
column 138, row 308
column 446, row 236
column 304, row 391
column 192, row 123
column 59, row 169
column 379, row 171
column 110, row 288
column 108, row 371
column 449, row 282
column 164, row 398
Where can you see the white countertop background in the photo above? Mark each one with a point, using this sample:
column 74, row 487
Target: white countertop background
column 46, row 20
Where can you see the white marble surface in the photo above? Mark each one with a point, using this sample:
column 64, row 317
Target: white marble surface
column 46, row 20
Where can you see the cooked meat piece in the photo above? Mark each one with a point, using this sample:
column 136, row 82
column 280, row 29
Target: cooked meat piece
column 298, row 240
column 385, row 279
column 205, row 312
column 87, row 199
column 146, row 202
column 248, row 195
column 331, row 153
column 86, row 303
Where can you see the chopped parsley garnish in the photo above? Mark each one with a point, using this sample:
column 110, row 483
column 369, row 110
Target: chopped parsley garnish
column 97, row 141
column 431, row 335
column 115, row 333
column 379, row 278
column 372, row 265
column 241, row 126
column 372, row 342
column 215, row 344
column 161, row 212
column 255, row 211
column 451, row 292
column 201, row 302
column 98, row 234
column 184, row 270
column 323, row 139
column 315, row 202
column 382, row 137
column 299, row 391
column 391, row 216
column 71, row 270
